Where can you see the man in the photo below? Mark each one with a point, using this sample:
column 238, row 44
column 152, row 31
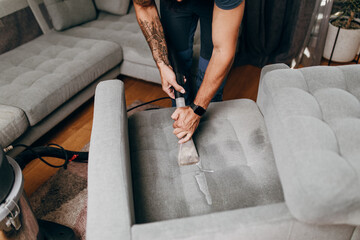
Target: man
column 219, row 25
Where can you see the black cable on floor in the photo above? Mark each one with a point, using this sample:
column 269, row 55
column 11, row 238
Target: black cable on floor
column 58, row 151
column 52, row 150
column 143, row 104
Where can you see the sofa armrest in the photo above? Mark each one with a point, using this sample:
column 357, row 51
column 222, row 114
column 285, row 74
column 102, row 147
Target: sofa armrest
column 272, row 221
column 312, row 117
column 264, row 71
column 110, row 202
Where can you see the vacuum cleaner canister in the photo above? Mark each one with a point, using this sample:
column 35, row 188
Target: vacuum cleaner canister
column 17, row 220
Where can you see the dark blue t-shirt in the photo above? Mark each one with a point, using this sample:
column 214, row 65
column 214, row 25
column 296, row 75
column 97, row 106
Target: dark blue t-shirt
column 227, row 4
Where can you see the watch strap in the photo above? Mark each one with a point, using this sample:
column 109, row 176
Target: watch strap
column 197, row 109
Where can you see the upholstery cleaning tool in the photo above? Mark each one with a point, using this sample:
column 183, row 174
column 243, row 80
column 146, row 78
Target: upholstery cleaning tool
column 188, row 154
column 187, row 151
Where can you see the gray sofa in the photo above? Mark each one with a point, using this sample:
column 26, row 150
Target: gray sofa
column 286, row 167
column 44, row 80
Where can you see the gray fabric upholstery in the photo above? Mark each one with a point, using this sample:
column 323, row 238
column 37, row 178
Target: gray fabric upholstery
column 268, row 222
column 140, row 71
column 125, row 31
column 13, row 123
column 264, row 71
column 118, row 7
column 39, row 76
column 110, row 204
column 356, row 234
column 231, row 140
column 312, row 115
column 46, row 124
column 68, row 13
column 110, row 209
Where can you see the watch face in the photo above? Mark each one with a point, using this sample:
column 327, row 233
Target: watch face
column 197, row 109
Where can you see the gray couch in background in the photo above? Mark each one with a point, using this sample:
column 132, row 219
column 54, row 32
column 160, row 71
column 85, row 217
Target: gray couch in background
column 44, row 80
column 286, row 167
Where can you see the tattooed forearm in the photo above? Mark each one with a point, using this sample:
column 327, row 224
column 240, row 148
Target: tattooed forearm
column 143, row 2
column 154, row 35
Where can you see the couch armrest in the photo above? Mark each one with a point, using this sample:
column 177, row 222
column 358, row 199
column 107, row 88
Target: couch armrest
column 110, row 202
column 312, row 117
column 264, row 71
column 272, row 221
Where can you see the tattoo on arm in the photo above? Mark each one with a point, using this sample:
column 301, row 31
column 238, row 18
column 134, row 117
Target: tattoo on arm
column 154, row 35
column 143, row 2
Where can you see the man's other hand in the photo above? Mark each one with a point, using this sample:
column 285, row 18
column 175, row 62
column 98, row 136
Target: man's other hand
column 168, row 81
column 186, row 122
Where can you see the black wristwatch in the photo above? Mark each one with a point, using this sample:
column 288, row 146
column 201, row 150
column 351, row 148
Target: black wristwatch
column 197, row 109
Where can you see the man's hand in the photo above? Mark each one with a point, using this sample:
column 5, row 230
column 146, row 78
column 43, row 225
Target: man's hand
column 186, row 122
column 149, row 22
column 168, row 81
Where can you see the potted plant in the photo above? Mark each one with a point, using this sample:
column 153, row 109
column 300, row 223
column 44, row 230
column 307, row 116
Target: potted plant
column 343, row 38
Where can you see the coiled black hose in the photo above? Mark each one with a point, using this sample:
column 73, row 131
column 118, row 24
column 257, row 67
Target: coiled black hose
column 52, row 150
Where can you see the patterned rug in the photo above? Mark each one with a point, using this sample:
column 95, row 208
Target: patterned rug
column 63, row 198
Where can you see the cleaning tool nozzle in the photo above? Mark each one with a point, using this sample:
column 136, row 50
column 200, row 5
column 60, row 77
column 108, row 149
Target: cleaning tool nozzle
column 187, row 152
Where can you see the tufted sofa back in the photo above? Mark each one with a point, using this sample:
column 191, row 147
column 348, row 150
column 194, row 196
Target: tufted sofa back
column 313, row 119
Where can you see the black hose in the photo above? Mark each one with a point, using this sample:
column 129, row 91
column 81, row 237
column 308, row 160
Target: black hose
column 143, row 104
column 178, row 69
column 32, row 153
column 48, row 151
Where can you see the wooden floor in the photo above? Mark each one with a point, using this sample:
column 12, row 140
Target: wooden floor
column 74, row 132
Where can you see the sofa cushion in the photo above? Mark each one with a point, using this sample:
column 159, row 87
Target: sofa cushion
column 231, row 140
column 313, row 117
column 123, row 30
column 39, row 76
column 68, row 13
column 13, row 123
column 118, row 7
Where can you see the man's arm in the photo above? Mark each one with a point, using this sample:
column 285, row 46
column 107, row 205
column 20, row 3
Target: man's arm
column 225, row 30
column 149, row 22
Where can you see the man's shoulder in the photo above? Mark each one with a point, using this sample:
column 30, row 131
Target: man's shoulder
column 228, row 4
